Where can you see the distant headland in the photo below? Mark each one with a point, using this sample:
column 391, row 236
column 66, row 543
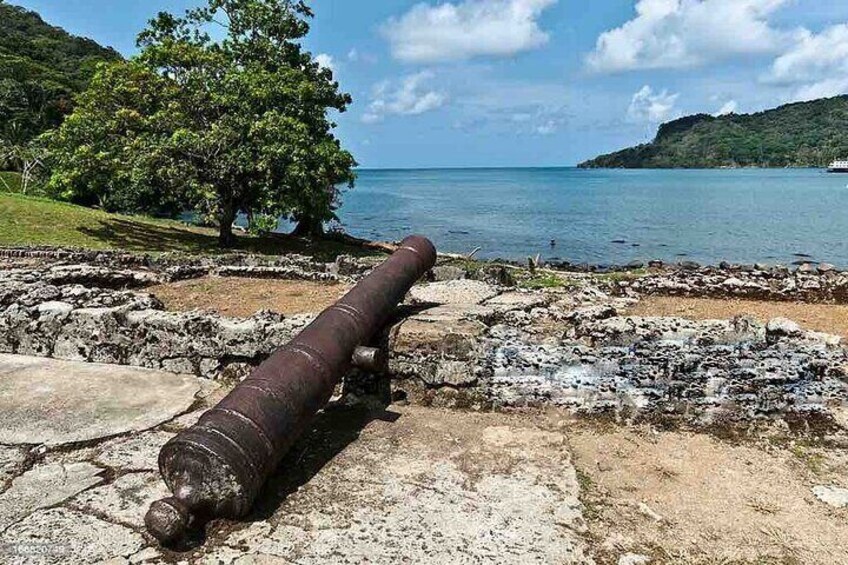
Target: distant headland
column 805, row 134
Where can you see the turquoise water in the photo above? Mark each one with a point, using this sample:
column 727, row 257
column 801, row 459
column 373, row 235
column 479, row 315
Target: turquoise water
column 609, row 216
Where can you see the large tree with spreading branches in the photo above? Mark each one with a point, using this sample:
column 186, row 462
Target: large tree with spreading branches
column 223, row 112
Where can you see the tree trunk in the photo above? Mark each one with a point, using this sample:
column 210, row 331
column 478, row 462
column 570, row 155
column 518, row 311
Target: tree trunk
column 309, row 227
column 26, row 176
column 226, row 237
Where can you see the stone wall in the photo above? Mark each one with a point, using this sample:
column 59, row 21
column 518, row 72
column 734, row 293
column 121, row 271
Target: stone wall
column 90, row 306
column 574, row 349
column 100, row 268
column 755, row 283
column 470, row 342
column 74, row 312
column 132, row 329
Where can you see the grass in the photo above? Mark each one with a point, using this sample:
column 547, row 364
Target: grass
column 546, row 281
column 10, row 182
column 592, row 507
column 26, row 220
column 813, row 460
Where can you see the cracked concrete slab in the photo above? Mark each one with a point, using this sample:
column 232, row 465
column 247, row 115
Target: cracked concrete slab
column 138, row 453
column 69, row 537
column 462, row 291
column 415, row 485
column 147, row 556
column 11, row 459
column 52, row 402
column 43, row 486
column 430, row 487
column 518, row 301
column 124, row 501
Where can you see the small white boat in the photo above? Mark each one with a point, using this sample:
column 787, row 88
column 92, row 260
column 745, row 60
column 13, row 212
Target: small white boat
column 838, row 167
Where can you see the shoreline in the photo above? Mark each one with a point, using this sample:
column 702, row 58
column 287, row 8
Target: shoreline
column 585, row 238
column 563, row 266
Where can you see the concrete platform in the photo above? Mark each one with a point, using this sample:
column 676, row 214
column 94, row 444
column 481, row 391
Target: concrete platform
column 417, row 485
column 52, row 402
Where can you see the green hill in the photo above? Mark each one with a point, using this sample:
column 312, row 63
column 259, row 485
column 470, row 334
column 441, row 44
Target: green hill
column 41, row 68
column 804, row 134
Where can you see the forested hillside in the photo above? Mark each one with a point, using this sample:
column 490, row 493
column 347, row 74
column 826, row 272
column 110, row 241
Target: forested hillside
column 805, row 134
column 41, row 68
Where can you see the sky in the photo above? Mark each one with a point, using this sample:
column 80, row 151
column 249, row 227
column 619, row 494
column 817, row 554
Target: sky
column 514, row 83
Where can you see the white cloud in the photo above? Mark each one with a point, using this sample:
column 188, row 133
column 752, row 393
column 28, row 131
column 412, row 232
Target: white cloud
column 410, row 96
column 485, row 100
column 326, row 61
column 729, row 107
column 549, row 127
column 688, row 33
column 357, row 56
column 822, row 89
column 467, row 29
column 817, row 64
column 652, row 107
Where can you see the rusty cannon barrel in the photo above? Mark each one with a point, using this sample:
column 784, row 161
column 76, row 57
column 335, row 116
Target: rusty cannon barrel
column 217, row 467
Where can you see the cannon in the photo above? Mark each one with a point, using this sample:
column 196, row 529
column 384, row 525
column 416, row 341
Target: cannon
column 217, row 467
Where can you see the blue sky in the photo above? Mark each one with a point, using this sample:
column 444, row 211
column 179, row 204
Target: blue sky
column 536, row 82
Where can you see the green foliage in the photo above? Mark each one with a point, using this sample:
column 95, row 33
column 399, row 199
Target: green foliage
column 112, row 151
column 221, row 126
column 814, row 460
column 806, row 134
column 41, row 68
column 262, row 224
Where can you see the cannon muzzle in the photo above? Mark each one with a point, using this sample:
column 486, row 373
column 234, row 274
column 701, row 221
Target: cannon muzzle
column 217, row 467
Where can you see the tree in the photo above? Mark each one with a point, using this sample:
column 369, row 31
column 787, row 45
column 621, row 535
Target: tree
column 115, row 150
column 27, row 158
column 25, row 110
column 41, row 67
column 223, row 126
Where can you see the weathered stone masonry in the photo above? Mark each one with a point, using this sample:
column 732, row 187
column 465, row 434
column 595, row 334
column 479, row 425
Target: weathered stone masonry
column 469, row 341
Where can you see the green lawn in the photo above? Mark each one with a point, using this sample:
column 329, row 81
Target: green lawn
column 28, row 220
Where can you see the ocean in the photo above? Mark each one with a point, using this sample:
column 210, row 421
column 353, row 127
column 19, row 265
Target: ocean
column 609, row 216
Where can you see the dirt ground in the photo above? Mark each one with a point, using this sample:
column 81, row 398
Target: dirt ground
column 689, row 498
column 242, row 297
column 828, row 318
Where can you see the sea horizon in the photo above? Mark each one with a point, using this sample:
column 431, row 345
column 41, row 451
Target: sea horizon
column 548, row 167
column 608, row 216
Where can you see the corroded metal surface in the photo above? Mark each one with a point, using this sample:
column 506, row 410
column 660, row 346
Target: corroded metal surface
column 217, row 467
column 372, row 359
